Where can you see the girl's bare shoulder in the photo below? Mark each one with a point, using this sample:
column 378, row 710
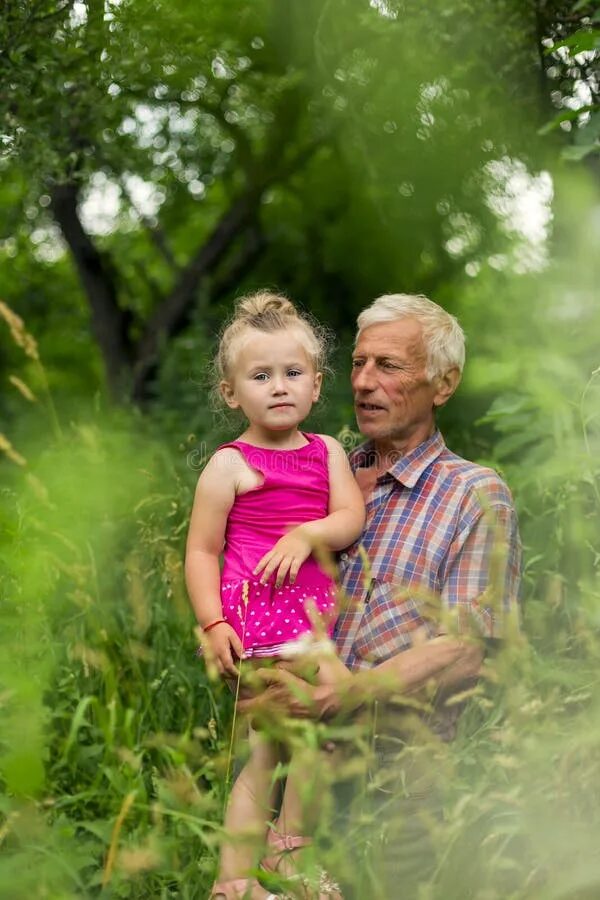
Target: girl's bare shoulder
column 331, row 442
column 229, row 467
column 223, row 462
column 333, row 445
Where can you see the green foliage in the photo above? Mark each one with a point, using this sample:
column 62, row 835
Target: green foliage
column 390, row 142
column 103, row 694
column 360, row 173
column 117, row 747
column 571, row 43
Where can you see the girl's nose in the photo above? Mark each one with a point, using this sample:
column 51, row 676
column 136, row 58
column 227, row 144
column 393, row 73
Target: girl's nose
column 278, row 385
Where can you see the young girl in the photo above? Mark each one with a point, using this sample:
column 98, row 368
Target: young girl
column 267, row 500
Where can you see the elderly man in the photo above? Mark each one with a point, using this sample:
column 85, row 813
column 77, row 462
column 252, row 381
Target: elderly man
column 437, row 526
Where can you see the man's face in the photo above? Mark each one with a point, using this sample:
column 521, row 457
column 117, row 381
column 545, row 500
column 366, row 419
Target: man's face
column 393, row 397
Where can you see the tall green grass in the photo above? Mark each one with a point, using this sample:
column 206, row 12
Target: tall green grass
column 112, row 774
column 114, row 749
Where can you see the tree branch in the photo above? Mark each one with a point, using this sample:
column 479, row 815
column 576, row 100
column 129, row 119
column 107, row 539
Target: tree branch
column 240, row 265
column 238, row 134
column 173, row 313
column 156, row 234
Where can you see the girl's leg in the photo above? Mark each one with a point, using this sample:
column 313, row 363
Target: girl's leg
column 307, row 798
column 308, row 788
column 306, row 804
column 249, row 809
column 310, row 770
column 299, row 808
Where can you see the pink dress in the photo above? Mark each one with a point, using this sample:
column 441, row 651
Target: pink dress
column 295, row 489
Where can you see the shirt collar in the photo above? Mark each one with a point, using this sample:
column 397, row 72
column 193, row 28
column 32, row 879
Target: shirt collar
column 409, row 468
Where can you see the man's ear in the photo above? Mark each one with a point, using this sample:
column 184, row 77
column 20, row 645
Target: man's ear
column 317, row 386
column 446, row 384
column 228, row 394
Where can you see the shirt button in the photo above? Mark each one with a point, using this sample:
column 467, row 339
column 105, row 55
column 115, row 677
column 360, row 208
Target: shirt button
column 344, row 557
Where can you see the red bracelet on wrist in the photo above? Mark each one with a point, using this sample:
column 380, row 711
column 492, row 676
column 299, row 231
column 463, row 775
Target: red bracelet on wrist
column 206, row 628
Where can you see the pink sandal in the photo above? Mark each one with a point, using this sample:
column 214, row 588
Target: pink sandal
column 282, row 845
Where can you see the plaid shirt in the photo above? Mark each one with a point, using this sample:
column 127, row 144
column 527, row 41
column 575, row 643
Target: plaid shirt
column 440, row 552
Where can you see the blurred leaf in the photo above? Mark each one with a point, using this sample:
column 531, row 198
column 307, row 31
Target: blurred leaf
column 23, row 771
column 568, row 115
column 582, row 41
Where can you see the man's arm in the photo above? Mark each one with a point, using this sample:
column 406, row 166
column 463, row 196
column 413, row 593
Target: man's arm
column 450, row 663
column 479, row 593
column 447, row 663
column 482, row 575
column 479, row 597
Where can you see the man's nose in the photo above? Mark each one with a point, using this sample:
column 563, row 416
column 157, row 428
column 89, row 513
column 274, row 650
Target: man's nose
column 363, row 378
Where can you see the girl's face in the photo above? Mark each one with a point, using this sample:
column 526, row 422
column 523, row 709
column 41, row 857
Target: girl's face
column 273, row 380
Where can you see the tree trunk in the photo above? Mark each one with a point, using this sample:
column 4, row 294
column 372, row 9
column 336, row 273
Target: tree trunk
column 109, row 322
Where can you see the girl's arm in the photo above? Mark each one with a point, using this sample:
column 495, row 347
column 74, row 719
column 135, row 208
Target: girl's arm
column 337, row 530
column 346, row 518
column 213, row 500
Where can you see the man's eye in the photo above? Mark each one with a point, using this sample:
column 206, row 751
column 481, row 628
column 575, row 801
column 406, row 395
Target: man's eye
column 389, row 366
column 357, row 363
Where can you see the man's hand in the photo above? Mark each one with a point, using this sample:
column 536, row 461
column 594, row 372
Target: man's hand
column 284, row 693
column 223, row 645
column 286, row 556
column 288, row 694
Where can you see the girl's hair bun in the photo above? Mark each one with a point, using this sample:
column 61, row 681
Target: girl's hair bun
column 263, row 305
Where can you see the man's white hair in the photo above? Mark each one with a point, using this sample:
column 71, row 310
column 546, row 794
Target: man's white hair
column 443, row 336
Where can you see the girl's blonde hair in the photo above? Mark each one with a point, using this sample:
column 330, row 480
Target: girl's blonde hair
column 268, row 312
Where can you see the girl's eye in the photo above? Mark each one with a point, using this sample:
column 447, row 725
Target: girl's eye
column 261, row 376
column 294, row 372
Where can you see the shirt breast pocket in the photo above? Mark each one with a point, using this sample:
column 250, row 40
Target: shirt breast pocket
column 390, row 622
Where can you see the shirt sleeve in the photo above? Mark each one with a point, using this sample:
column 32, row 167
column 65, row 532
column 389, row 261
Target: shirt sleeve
column 481, row 582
